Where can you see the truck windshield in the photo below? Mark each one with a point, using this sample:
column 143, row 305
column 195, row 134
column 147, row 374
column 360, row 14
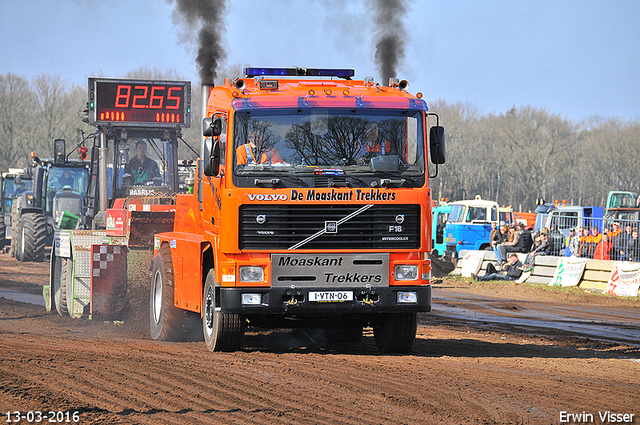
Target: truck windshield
column 457, row 214
column 329, row 142
column 145, row 165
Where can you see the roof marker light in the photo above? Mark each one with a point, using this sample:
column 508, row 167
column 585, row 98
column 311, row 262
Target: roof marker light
column 328, row 92
column 300, row 72
column 345, row 92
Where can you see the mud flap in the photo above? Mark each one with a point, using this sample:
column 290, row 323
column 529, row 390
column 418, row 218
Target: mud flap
column 108, row 281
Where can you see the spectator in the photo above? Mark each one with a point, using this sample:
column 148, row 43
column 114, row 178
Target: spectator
column 543, row 247
column 603, row 248
column 527, row 240
column 584, row 243
column 633, row 247
column 515, row 245
column 512, row 270
column 494, row 235
column 620, row 245
column 614, row 235
column 572, row 244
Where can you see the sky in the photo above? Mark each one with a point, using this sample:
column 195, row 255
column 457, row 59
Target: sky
column 575, row 58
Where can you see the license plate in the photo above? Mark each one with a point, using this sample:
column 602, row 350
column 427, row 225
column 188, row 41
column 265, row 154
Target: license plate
column 331, row 296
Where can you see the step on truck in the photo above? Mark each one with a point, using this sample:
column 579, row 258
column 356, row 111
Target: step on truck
column 99, row 266
column 311, row 208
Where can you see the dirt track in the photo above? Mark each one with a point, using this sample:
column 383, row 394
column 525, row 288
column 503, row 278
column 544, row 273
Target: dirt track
column 456, row 373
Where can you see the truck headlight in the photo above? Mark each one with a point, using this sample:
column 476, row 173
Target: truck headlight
column 251, row 299
column 251, row 274
column 406, row 272
column 407, row 298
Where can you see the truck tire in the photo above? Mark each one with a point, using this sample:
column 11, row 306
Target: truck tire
column 222, row 331
column 395, row 332
column 164, row 317
column 60, row 270
column 34, row 237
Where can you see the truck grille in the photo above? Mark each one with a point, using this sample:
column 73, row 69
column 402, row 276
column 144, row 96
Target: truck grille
column 285, row 226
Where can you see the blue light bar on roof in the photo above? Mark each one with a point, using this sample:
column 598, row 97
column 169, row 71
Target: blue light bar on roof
column 300, row 72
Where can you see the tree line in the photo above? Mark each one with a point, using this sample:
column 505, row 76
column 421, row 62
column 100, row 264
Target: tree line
column 514, row 157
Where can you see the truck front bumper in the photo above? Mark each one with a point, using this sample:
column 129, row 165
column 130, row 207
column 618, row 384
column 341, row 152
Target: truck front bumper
column 297, row 301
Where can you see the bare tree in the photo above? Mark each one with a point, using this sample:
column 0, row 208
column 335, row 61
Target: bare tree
column 16, row 121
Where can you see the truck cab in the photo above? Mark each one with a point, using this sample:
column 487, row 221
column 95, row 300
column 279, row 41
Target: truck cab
column 469, row 225
column 311, row 208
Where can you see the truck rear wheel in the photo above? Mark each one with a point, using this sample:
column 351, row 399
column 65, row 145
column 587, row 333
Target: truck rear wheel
column 222, row 331
column 60, row 269
column 34, row 236
column 164, row 316
column 395, row 332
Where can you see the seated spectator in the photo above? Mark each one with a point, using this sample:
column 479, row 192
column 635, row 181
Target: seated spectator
column 633, row 247
column 603, row 248
column 527, row 240
column 544, row 247
column 502, row 235
column 512, row 270
column 494, row 234
column 514, row 245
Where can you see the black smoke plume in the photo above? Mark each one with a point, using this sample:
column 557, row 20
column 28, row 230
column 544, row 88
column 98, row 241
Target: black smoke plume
column 207, row 17
column 391, row 35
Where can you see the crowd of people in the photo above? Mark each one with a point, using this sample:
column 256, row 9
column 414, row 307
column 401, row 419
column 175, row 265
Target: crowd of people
column 506, row 241
column 612, row 244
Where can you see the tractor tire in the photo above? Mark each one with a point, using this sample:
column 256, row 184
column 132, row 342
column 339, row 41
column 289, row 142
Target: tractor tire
column 3, row 232
column 34, row 237
column 59, row 281
column 15, row 229
column 222, row 331
column 168, row 323
column 395, row 332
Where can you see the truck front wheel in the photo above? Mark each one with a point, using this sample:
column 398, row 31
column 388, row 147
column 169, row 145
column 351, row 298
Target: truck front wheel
column 222, row 331
column 395, row 332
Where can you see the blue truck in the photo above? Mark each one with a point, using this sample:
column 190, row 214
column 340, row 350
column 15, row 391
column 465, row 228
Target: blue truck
column 469, row 225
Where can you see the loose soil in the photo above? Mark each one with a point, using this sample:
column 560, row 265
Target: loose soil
column 457, row 372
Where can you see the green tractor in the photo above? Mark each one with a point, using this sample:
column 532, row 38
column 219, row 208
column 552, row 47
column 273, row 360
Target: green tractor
column 57, row 200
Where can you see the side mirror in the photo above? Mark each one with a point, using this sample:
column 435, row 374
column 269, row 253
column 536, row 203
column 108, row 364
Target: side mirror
column 59, row 152
column 436, row 144
column 211, row 127
column 212, row 162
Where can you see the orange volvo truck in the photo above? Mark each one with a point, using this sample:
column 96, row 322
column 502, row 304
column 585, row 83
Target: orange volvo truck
column 311, row 208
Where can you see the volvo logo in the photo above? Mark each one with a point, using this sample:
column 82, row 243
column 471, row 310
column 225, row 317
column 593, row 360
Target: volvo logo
column 331, row 226
column 261, row 219
column 400, row 218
